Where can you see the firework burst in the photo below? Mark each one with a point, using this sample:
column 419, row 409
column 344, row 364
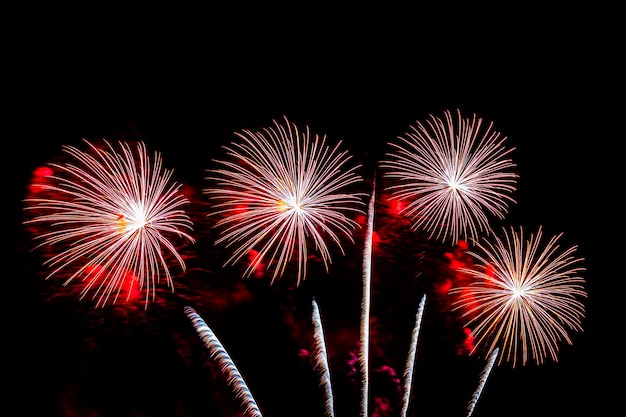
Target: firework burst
column 525, row 298
column 111, row 212
column 451, row 173
column 281, row 189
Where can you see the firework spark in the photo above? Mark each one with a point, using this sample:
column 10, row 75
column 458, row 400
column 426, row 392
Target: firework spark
column 111, row 214
column 484, row 375
column 280, row 189
column 525, row 297
column 410, row 362
column 226, row 364
column 451, row 173
column 321, row 359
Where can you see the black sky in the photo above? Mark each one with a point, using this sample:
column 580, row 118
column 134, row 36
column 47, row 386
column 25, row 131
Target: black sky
column 185, row 82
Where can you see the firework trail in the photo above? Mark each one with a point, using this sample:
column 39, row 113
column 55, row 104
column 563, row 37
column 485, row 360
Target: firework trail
column 408, row 373
column 451, row 173
column 483, row 380
column 111, row 212
column 280, row 189
column 365, row 303
column 222, row 358
column 525, row 296
column 321, row 360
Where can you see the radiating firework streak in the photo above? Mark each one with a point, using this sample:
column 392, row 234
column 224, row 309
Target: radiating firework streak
column 227, row 366
column 280, row 189
column 365, row 303
column 451, row 175
column 321, row 360
column 483, row 380
column 524, row 298
column 113, row 211
column 408, row 372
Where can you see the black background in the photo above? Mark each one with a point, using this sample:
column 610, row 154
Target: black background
column 185, row 80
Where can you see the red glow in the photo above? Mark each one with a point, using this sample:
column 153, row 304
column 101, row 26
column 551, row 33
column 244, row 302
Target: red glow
column 131, row 287
column 259, row 269
column 189, row 192
column 240, row 209
column 42, row 172
column 459, row 260
column 40, row 179
column 396, row 207
column 375, row 238
column 455, row 263
column 490, row 273
column 468, row 343
column 94, row 269
column 443, row 287
column 462, row 245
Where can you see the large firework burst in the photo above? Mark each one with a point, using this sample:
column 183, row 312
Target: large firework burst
column 281, row 189
column 525, row 298
column 451, row 172
column 110, row 213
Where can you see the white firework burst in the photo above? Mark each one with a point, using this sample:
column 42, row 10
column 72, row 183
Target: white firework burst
column 279, row 190
column 111, row 215
column 525, row 297
column 452, row 173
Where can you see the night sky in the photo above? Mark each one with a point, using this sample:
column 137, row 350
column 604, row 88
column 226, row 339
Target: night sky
column 184, row 85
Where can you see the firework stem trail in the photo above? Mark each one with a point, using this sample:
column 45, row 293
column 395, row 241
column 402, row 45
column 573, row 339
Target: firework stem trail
column 365, row 303
column 222, row 358
column 408, row 373
column 483, row 380
column 321, row 360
